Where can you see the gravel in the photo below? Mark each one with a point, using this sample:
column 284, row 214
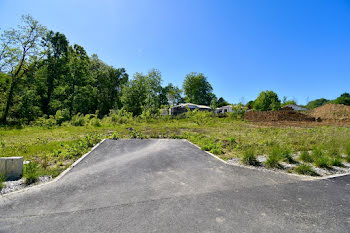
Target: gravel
column 11, row 186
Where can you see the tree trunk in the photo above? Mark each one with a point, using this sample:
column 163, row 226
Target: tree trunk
column 9, row 101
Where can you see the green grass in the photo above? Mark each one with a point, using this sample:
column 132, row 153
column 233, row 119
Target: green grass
column 323, row 162
column 249, row 158
column 54, row 148
column 304, row 169
column 274, row 158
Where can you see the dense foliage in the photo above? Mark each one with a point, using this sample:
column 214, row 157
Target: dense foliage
column 267, row 100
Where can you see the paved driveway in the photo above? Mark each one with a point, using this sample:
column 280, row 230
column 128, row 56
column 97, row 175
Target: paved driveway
column 172, row 186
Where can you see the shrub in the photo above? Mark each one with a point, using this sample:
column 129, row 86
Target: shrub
column 306, row 157
column 304, row 169
column 30, row 173
column 62, row 116
column 120, row 116
column 322, row 162
column 78, row 120
column 136, row 134
column 249, row 158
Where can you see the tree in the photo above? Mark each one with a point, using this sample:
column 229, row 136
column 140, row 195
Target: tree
column 173, row 94
column 142, row 93
column 56, row 61
column 317, row 103
column 222, row 102
column 267, row 100
column 197, row 89
column 109, row 82
column 20, row 52
column 286, row 102
column 343, row 99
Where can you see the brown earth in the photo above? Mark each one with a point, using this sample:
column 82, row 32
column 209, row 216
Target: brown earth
column 281, row 115
column 332, row 112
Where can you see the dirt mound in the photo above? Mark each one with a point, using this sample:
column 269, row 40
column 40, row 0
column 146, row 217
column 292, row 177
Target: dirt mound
column 282, row 115
column 331, row 112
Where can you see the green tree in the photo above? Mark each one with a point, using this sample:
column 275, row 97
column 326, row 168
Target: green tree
column 197, row 89
column 267, row 100
column 317, row 103
column 222, row 102
column 173, row 94
column 56, row 49
column 108, row 82
column 343, row 99
column 142, row 93
column 20, row 52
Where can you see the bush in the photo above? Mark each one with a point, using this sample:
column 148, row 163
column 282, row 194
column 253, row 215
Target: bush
column 249, row 158
column 45, row 122
column 306, row 157
column 62, row 116
column 115, row 136
column 78, row 120
column 304, row 169
column 137, row 135
column 30, row 173
column 119, row 116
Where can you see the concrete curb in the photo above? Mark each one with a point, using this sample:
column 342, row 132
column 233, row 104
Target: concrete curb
column 59, row 176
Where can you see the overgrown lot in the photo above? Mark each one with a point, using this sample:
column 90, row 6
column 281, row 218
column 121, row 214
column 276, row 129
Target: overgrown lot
column 53, row 148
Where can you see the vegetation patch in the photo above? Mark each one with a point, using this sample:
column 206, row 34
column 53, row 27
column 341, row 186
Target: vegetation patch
column 304, row 169
column 249, row 158
column 306, row 157
column 30, row 173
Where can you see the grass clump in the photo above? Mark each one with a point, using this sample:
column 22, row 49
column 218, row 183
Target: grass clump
column 337, row 161
column 273, row 160
column 323, row 162
column 304, row 169
column 30, row 173
column 347, row 153
column 286, row 155
column 249, row 158
column 306, row 157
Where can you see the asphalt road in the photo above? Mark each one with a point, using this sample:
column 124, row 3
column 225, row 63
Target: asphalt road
column 172, row 186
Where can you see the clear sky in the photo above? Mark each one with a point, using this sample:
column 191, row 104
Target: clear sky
column 297, row 48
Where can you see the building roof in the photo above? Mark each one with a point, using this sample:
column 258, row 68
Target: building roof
column 190, row 104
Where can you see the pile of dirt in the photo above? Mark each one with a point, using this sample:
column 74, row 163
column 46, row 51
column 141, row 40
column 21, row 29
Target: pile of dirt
column 331, row 112
column 281, row 115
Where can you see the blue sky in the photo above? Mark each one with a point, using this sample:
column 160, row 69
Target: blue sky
column 297, row 48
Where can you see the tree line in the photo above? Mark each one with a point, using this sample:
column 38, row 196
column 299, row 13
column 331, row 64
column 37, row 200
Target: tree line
column 41, row 73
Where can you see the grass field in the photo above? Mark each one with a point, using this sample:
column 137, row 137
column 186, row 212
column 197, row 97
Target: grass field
column 54, row 148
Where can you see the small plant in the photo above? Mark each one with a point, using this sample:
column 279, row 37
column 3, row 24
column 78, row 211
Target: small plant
column 304, row 169
column 337, row 161
column 249, row 158
column 115, row 136
column 322, row 162
column 78, row 120
column 2, row 180
column 136, row 134
column 287, row 156
column 317, row 153
column 333, row 152
column 30, row 173
column 272, row 161
column 306, row 157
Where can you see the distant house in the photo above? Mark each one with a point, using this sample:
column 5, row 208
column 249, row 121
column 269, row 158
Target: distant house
column 294, row 107
column 224, row 109
column 182, row 108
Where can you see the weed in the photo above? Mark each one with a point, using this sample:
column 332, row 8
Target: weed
column 317, row 153
column 304, row 169
column 78, row 120
column 272, row 161
column 333, row 152
column 2, row 180
column 115, row 136
column 30, row 173
column 137, row 134
column 306, row 157
column 249, row 158
column 347, row 153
